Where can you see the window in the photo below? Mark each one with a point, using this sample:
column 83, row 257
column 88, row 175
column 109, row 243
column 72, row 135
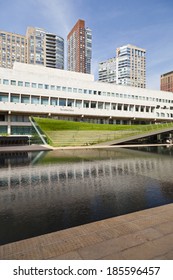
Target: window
column 119, row 107
column 79, row 90
column 27, row 84
column 13, row 82
column 20, row 83
column 107, row 106
column 93, row 104
column 35, row 100
column 100, row 105
column 75, row 90
column 40, row 85
column 5, row 82
column 125, row 107
column 69, row 89
column 54, row 101
column 44, row 100
column 46, row 86
column 34, row 85
column 85, row 91
column 62, row 102
column 15, row 98
column 113, row 106
column 63, row 88
column 70, row 103
column 78, row 103
column 86, row 104
column 52, row 87
column 25, row 99
column 3, row 97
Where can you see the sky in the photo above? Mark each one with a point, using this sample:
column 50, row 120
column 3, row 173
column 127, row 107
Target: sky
column 146, row 24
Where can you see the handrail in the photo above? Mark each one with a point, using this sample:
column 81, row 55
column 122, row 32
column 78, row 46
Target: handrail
column 37, row 130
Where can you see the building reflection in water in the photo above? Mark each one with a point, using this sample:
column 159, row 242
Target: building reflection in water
column 39, row 198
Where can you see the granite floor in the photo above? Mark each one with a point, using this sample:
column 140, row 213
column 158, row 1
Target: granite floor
column 145, row 235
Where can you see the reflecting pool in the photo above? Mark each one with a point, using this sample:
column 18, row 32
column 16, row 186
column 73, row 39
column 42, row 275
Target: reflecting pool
column 42, row 192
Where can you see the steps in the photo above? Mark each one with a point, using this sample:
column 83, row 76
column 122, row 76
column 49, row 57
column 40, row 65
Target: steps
column 64, row 138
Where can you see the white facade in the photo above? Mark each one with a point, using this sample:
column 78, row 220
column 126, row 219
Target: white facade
column 29, row 90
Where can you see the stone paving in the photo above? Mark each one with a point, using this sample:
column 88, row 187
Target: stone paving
column 145, row 235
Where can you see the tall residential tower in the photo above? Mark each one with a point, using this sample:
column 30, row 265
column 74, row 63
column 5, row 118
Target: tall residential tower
column 37, row 47
column 128, row 68
column 12, row 48
column 79, row 43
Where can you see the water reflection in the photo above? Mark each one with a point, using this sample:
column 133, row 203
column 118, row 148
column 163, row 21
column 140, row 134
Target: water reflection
column 61, row 189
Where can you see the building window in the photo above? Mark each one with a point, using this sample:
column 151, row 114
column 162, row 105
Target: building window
column 20, row 83
column 75, row 90
column 13, row 82
column 40, row 85
column 3, row 97
column 119, row 107
column 44, row 100
column 27, row 84
column 62, row 102
column 113, row 106
column 46, row 86
column 70, row 103
column 58, row 88
column 100, row 105
column 86, row 104
column 93, row 104
column 78, row 103
column 52, row 87
column 34, row 85
column 54, row 101
column 25, row 99
column 35, row 100
column 15, row 98
column 5, row 82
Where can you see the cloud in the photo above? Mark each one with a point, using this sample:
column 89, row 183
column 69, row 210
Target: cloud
column 58, row 14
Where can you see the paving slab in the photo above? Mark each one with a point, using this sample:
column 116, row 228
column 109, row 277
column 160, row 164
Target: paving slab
column 145, row 235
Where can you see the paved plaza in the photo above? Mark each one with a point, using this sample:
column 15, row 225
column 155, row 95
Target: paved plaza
column 142, row 235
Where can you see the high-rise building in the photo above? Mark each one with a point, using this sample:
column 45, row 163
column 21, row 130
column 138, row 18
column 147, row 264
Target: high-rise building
column 79, row 43
column 128, row 68
column 37, row 47
column 12, row 48
column 107, row 71
column 131, row 66
column 44, row 48
column 166, row 81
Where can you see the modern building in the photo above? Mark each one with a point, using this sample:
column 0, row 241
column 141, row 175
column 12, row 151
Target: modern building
column 131, row 66
column 44, row 48
column 128, row 68
column 37, row 47
column 12, row 48
column 32, row 90
column 107, row 71
column 166, row 81
column 79, row 44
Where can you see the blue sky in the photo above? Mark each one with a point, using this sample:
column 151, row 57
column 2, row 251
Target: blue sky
column 147, row 24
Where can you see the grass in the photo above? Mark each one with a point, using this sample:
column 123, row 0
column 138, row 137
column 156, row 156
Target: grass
column 69, row 133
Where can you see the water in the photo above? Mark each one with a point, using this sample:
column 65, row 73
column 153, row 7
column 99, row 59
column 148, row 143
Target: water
column 49, row 191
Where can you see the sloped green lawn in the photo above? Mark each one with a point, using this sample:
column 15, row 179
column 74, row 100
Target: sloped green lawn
column 68, row 133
